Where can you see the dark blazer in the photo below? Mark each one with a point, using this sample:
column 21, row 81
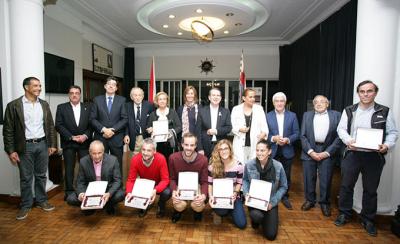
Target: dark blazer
column 145, row 109
column 67, row 127
column 117, row 119
column 14, row 127
column 224, row 126
column 173, row 120
column 290, row 130
column 332, row 141
column 110, row 172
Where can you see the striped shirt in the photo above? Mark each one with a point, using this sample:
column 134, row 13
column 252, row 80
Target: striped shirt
column 235, row 173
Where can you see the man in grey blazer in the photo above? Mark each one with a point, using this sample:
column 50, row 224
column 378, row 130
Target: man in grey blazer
column 95, row 167
column 320, row 143
column 213, row 123
column 109, row 119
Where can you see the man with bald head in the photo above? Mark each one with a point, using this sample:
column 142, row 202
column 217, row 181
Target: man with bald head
column 320, row 143
column 98, row 166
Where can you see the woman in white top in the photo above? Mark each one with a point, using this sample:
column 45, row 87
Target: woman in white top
column 249, row 125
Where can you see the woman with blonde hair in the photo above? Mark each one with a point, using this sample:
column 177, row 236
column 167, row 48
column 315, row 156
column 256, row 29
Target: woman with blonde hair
column 164, row 113
column 224, row 165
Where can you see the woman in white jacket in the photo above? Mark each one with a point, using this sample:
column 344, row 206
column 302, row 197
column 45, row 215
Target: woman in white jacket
column 249, row 125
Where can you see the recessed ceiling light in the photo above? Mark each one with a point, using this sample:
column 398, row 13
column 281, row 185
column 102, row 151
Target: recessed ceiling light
column 229, row 14
column 199, row 11
column 165, row 26
column 238, row 24
column 226, row 32
column 171, row 16
column 179, row 33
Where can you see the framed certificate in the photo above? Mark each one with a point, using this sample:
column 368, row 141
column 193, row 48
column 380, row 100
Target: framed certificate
column 259, row 194
column 188, row 184
column 222, row 192
column 94, row 194
column 142, row 192
column 368, row 138
column 160, row 130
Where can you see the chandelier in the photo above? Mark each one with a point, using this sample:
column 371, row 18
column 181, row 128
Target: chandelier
column 201, row 31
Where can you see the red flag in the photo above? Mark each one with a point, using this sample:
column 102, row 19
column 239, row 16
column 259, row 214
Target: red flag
column 152, row 90
column 242, row 79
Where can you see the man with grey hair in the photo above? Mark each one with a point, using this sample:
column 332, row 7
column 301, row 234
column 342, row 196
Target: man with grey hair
column 283, row 133
column 320, row 144
column 98, row 166
column 138, row 111
column 29, row 139
column 151, row 165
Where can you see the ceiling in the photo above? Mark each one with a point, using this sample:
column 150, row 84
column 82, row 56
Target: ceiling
column 278, row 21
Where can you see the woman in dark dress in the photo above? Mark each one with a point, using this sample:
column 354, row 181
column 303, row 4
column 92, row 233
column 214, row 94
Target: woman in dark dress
column 164, row 113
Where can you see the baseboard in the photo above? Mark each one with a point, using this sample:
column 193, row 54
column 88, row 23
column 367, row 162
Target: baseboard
column 17, row 199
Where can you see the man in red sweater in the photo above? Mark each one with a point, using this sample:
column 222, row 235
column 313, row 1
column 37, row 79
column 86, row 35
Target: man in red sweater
column 184, row 161
column 151, row 165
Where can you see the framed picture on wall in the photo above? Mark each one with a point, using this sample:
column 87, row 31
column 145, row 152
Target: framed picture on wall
column 102, row 60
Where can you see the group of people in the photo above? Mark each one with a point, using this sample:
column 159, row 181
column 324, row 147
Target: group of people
column 262, row 148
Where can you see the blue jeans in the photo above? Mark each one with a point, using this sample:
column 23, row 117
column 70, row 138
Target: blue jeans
column 165, row 195
column 33, row 163
column 238, row 215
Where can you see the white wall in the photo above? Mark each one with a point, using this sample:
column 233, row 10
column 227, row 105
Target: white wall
column 181, row 61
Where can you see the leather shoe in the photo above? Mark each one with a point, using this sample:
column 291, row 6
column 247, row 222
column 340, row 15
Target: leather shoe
column 254, row 225
column 326, row 210
column 197, row 216
column 176, row 216
column 307, row 205
column 369, row 227
column 341, row 220
column 287, row 203
column 110, row 210
column 160, row 212
column 142, row 213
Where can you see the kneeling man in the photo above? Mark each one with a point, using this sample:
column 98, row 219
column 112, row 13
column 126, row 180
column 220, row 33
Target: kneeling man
column 188, row 160
column 98, row 166
column 151, row 165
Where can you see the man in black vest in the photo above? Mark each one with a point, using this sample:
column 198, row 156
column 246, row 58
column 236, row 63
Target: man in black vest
column 365, row 114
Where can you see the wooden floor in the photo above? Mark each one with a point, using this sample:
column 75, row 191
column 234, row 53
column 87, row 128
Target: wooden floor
column 67, row 225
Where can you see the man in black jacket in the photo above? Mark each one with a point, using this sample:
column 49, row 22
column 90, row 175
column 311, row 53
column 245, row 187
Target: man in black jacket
column 72, row 122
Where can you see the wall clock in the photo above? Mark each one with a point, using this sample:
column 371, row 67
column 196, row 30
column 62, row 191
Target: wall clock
column 206, row 66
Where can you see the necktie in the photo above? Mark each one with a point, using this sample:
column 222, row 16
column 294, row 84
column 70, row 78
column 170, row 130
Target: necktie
column 137, row 124
column 109, row 104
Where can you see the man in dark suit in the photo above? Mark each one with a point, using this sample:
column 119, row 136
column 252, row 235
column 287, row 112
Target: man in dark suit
column 138, row 111
column 108, row 117
column 213, row 123
column 72, row 122
column 29, row 139
column 320, row 142
column 283, row 132
column 95, row 167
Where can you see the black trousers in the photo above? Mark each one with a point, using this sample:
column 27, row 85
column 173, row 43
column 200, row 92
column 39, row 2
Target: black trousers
column 116, row 151
column 164, row 197
column 69, row 155
column 287, row 166
column 268, row 220
column 370, row 165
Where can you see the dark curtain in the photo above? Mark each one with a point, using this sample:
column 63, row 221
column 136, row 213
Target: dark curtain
column 129, row 72
column 321, row 62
